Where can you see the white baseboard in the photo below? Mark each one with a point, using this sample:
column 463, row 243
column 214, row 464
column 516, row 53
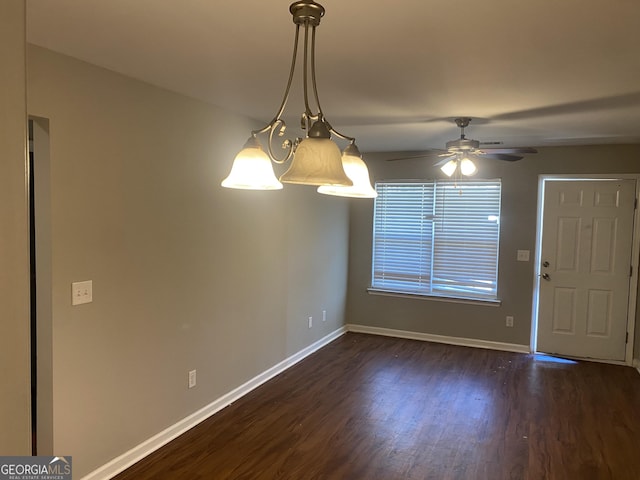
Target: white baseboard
column 427, row 337
column 127, row 459
column 149, row 446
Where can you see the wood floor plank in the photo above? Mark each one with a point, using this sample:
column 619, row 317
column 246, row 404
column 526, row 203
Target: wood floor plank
column 369, row 407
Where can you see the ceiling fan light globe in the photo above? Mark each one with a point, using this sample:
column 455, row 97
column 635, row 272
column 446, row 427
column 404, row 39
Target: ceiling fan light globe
column 449, row 168
column 467, row 167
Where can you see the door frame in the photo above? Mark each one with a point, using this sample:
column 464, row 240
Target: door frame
column 43, row 356
column 635, row 258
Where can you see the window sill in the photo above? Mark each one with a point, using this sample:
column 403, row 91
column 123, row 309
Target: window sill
column 438, row 298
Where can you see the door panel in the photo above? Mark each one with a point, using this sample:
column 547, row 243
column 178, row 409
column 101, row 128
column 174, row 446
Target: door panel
column 603, row 246
column 599, row 313
column 568, row 244
column 564, row 310
column 584, row 291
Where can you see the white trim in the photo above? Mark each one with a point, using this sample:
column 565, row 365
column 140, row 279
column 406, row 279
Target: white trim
column 438, row 298
column 427, row 337
column 127, row 459
column 533, row 338
column 633, row 282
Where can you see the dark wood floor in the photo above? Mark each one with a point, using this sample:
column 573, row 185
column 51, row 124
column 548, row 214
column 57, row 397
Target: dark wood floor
column 368, row 407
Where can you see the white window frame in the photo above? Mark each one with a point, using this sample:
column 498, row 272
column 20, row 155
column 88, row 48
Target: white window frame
column 429, row 235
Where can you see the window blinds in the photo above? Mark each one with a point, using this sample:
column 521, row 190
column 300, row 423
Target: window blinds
column 437, row 238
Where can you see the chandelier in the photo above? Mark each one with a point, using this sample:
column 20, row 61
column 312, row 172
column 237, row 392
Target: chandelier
column 315, row 159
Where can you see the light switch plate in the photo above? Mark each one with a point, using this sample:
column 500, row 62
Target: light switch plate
column 81, row 292
column 523, row 255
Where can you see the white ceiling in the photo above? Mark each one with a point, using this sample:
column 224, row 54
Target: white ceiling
column 392, row 74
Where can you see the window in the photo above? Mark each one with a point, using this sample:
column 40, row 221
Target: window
column 437, row 238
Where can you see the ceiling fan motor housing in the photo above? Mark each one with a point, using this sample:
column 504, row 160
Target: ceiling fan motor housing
column 463, row 145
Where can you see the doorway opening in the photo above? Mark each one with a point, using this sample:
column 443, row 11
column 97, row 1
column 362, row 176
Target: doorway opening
column 32, row 299
column 41, row 287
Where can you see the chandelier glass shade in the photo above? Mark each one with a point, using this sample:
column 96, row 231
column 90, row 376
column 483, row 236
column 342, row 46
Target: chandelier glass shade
column 252, row 169
column 357, row 171
column 316, row 158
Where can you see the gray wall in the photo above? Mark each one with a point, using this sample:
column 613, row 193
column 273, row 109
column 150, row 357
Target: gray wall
column 15, row 431
column 518, row 231
column 186, row 275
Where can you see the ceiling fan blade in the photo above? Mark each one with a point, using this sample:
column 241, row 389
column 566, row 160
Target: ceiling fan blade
column 502, row 156
column 429, row 154
column 441, row 162
column 510, row 150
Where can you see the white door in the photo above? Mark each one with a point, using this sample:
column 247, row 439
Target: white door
column 587, row 231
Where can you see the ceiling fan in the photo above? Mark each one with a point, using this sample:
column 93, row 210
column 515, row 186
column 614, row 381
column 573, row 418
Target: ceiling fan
column 460, row 153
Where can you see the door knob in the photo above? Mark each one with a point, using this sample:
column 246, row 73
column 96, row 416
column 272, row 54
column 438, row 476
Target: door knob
column 546, row 276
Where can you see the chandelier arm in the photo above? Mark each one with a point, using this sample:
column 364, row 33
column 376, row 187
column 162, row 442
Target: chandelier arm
column 280, row 126
column 351, row 140
column 314, row 83
column 291, row 73
column 285, row 99
column 266, row 128
column 277, row 124
column 305, row 76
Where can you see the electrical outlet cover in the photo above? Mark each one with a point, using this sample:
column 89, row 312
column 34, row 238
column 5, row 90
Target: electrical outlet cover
column 81, row 292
